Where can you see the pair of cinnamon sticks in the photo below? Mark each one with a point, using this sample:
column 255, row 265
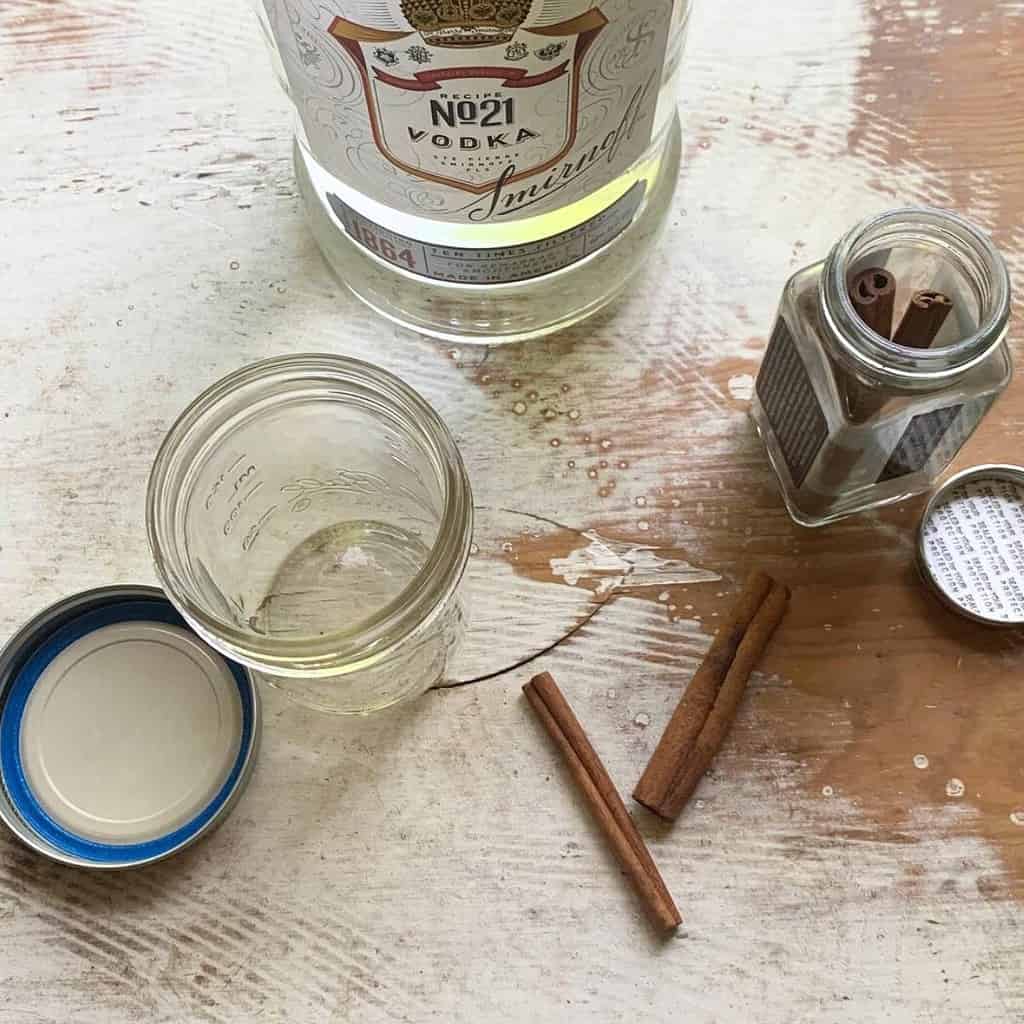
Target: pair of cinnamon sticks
column 687, row 747
column 873, row 293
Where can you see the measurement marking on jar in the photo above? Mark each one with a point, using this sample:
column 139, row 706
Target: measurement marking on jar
column 216, row 484
column 236, row 510
column 254, row 531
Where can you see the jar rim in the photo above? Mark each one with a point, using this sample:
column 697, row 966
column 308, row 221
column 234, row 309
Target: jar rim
column 372, row 638
column 879, row 356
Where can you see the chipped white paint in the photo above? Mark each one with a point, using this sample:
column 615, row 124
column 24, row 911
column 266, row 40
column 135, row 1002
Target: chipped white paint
column 610, row 565
column 741, row 387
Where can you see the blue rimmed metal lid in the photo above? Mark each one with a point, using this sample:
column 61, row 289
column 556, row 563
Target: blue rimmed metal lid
column 123, row 736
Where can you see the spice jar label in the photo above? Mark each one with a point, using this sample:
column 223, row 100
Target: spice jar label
column 973, row 547
column 785, row 391
column 941, row 433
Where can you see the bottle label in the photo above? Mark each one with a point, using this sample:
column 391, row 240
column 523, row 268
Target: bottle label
column 499, row 265
column 787, row 396
column 474, row 111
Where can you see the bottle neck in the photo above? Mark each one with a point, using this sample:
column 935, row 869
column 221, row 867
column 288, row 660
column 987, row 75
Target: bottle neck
column 923, row 248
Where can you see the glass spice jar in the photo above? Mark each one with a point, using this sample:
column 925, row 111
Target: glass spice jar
column 852, row 419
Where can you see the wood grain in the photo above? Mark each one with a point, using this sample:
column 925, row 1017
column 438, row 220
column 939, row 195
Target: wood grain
column 152, row 240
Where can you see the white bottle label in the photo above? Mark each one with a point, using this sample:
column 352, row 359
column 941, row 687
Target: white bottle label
column 474, row 111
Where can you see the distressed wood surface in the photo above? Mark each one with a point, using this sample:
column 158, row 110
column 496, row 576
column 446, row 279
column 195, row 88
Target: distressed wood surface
column 857, row 852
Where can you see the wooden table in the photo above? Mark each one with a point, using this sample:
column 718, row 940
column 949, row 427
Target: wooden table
column 854, row 854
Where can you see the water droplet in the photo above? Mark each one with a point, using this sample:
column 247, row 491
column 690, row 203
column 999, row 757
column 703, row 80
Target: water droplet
column 1017, row 817
column 550, row 414
column 663, row 596
column 586, row 439
column 642, row 719
column 234, row 264
column 474, row 549
column 689, row 607
column 485, row 379
column 827, row 791
column 610, row 694
column 603, row 463
column 571, row 463
column 519, row 408
column 606, row 444
column 723, row 120
column 704, row 144
column 671, row 607
column 574, row 414
column 920, row 761
column 592, row 473
column 555, row 442
column 506, row 547
column 641, row 501
column 531, row 396
column 603, row 492
column 643, row 526
column 828, row 627
column 676, row 503
column 453, row 354
column 955, row 787
column 517, row 384
column 623, row 464
column 565, row 389
column 699, row 804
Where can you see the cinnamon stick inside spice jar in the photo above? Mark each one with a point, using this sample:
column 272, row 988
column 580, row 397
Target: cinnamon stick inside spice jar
column 600, row 793
column 679, row 762
column 873, row 293
column 923, row 319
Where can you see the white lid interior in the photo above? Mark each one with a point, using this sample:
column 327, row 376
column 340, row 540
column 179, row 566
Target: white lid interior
column 130, row 732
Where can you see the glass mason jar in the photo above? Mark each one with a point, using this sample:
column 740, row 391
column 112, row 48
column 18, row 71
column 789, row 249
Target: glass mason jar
column 483, row 171
column 310, row 516
column 852, row 419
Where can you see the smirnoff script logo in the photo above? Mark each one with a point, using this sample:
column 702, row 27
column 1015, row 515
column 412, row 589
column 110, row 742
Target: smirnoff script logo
column 473, row 99
column 505, row 198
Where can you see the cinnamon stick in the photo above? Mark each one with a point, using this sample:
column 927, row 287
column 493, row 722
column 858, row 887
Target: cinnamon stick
column 690, row 764
column 603, row 799
column 873, row 293
column 692, row 711
column 923, row 319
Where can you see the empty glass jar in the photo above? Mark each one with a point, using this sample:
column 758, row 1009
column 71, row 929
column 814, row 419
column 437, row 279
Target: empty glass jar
column 311, row 517
column 853, row 418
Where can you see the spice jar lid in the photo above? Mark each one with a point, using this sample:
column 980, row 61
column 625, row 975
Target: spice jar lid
column 124, row 737
column 971, row 544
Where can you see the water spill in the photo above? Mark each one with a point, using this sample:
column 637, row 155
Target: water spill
column 614, row 564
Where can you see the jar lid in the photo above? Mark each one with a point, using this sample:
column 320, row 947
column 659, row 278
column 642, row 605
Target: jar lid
column 124, row 737
column 971, row 544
